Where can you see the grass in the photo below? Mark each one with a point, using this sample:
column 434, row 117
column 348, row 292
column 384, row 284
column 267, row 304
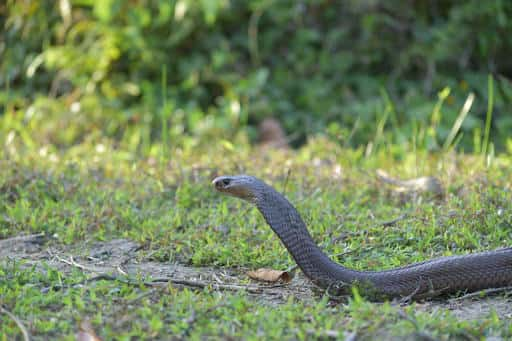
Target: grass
column 96, row 192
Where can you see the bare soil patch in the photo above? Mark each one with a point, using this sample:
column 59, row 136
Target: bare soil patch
column 124, row 259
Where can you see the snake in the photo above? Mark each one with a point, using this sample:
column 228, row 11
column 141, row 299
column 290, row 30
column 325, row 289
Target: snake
column 458, row 274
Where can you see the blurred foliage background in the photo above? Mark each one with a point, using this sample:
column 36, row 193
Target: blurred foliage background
column 185, row 72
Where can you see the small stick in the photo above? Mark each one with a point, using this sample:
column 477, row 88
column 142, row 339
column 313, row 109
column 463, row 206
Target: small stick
column 407, row 299
column 157, row 281
column 20, row 325
column 479, row 293
column 121, row 271
column 217, row 278
column 179, row 281
column 394, row 221
column 72, row 262
column 21, row 238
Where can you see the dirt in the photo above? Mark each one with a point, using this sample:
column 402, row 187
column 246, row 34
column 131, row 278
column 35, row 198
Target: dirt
column 125, row 258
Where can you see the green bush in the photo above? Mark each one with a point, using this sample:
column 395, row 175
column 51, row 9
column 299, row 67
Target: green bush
column 189, row 70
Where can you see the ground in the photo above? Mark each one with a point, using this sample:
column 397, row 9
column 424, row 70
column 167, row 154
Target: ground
column 145, row 248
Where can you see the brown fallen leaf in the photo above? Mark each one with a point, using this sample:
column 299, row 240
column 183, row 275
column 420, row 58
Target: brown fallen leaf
column 86, row 332
column 270, row 275
column 424, row 184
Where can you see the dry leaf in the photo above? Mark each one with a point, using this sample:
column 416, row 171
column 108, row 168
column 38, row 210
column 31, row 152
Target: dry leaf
column 425, row 184
column 270, row 275
column 86, row 333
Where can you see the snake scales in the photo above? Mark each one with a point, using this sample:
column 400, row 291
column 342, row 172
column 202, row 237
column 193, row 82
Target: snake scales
column 465, row 273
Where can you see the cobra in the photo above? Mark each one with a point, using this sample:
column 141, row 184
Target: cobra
column 445, row 275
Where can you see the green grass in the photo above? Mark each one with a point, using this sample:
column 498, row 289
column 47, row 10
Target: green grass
column 88, row 193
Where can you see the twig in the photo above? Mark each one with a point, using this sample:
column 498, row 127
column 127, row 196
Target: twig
column 217, row 278
column 407, row 299
column 121, row 271
column 21, row 238
column 480, row 293
column 204, row 284
column 160, row 281
column 155, row 282
column 26, row 335
column 72, row 262
column 394, row 221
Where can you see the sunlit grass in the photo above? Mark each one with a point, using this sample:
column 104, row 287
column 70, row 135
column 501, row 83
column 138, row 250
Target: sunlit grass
column 89, row 193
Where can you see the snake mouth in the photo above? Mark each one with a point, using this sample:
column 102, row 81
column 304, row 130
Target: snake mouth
column 221, row 183
column 237, row 186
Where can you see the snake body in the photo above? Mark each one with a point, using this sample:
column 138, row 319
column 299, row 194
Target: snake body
column 445, row 275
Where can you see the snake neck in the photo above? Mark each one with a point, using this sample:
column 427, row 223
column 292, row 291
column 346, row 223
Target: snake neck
column 287, row 223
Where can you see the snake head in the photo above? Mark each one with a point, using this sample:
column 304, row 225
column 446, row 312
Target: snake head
column 241, row 186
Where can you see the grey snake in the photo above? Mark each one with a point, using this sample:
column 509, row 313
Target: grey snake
column 445, row 275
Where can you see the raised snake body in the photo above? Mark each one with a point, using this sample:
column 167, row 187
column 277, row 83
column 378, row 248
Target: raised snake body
column 465, row 273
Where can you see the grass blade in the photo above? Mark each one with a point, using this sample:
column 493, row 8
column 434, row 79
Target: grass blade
column 163, row 114
column 458, row 121
column 488, row 119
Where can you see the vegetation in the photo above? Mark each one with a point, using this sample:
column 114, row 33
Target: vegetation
column 91, row 193
column 127, row 69
column 116, row 115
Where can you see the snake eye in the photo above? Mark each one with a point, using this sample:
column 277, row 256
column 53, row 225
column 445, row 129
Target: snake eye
column 226, row 182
